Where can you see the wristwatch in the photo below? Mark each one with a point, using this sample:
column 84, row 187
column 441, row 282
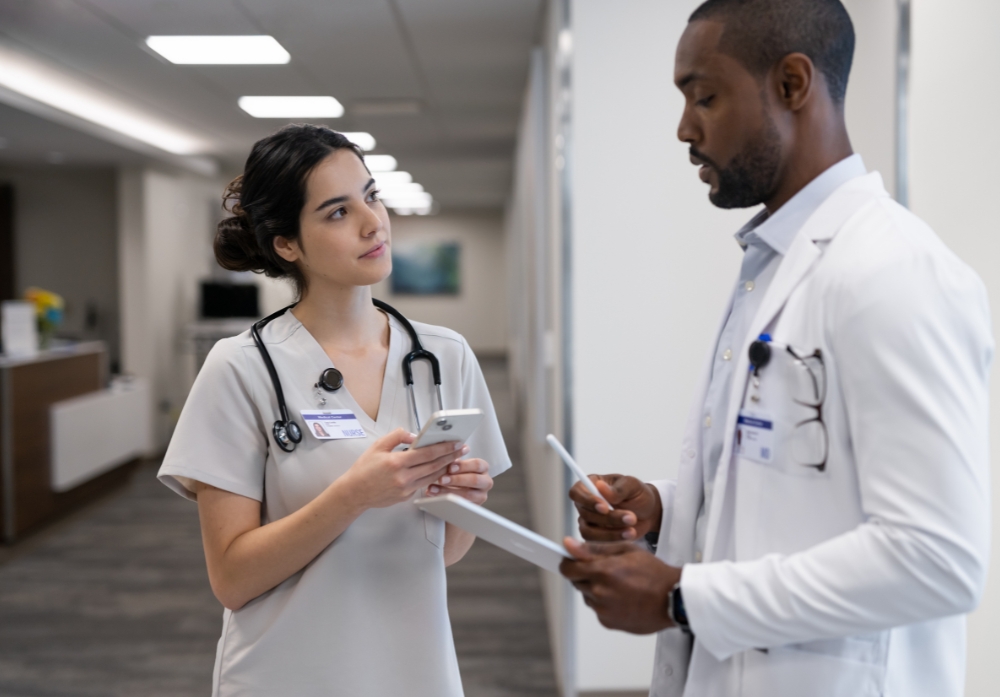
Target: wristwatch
column 675, row 609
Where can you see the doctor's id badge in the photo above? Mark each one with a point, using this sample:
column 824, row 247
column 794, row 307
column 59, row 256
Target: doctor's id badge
column 332, row 424
column 755, row 436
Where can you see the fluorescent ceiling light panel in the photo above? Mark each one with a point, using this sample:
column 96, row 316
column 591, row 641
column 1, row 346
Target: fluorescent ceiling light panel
column 380, row 163
column 365, row 141
column 219, row 50
column 43, row 84
column 391, row 178
column 292, row 107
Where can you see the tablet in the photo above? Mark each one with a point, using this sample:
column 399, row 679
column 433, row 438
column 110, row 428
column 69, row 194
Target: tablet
column 496, row 529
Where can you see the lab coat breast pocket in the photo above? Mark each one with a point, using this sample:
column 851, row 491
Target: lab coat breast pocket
column 781, row 425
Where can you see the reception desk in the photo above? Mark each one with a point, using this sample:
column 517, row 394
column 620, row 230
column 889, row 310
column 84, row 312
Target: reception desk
column 60, row 382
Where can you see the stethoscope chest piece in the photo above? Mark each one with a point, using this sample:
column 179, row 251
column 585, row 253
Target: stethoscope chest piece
column 287, row 435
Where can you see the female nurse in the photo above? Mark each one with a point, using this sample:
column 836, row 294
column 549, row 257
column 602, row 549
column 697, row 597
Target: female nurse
column 333, row 581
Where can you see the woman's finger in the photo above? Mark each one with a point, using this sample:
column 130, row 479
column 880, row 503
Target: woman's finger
column 467, row 481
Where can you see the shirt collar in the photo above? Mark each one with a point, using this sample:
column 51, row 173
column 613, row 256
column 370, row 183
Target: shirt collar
column 779, row 230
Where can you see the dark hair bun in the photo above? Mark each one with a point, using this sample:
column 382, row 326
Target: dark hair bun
column 236, row 247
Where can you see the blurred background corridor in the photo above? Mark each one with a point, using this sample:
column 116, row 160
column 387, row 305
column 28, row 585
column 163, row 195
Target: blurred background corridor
column 541, row 206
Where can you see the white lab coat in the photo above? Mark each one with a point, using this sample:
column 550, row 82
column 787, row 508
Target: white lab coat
column 854, row 581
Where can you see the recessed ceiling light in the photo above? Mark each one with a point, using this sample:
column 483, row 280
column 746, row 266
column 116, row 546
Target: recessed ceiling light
column 219, row 50
column 41, row 83
column 292, row 107
column 390, row 178
column 365, row 141
column 380, row 163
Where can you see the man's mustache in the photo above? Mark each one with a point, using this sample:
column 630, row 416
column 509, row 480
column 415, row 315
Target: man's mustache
column 704, row 159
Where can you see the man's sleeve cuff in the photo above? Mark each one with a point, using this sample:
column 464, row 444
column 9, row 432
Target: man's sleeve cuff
column 699, row 602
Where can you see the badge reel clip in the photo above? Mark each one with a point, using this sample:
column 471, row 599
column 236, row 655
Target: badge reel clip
column 760, row 356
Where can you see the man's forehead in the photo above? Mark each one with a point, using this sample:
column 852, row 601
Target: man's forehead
column 698, row 54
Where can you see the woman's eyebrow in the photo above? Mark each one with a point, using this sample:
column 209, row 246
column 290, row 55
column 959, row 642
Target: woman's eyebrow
column 341, row 199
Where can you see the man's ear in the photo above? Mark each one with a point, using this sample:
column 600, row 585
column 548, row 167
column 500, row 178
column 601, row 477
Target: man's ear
column 287, row 249
column 796, row 78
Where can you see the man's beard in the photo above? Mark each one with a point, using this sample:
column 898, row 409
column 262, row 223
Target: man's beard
column 749, row 179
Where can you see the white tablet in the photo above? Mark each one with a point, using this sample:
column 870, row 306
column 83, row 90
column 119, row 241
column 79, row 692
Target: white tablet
column 506, row 534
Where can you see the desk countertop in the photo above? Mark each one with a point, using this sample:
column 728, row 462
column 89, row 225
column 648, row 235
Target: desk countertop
column 70, row 350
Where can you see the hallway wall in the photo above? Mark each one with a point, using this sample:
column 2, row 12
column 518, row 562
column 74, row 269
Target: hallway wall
column 65, row 231
column 479, row 311
column 953, row 185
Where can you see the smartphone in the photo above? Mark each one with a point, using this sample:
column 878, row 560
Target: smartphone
column 449, row 425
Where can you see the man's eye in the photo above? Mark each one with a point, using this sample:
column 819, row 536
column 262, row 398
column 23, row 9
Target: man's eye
column 706, row 101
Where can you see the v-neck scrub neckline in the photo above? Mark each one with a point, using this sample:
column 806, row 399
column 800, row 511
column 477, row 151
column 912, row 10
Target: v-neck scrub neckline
column 392, row 373
column 368, row 615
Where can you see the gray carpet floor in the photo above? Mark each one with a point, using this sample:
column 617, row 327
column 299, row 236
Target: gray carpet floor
column 114, row 601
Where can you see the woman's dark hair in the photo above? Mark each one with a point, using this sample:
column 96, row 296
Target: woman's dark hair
column 267, row 199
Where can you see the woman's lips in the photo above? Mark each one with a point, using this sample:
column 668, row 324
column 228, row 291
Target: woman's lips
column 375, row 252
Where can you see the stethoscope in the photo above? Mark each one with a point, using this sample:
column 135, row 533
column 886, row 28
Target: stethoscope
column 287, row 433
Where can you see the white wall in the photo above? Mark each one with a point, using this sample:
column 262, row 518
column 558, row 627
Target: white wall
column 479, row 311
column 64, row 238
column 166, row 226
column 653, row 264
column 954, row 148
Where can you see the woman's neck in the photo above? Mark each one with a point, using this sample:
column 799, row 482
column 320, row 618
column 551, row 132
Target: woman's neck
column 342, row 317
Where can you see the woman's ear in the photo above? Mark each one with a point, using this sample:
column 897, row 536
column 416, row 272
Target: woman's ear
column 287, row 249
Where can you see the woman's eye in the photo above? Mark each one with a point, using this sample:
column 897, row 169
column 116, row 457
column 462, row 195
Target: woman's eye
column 706, row 101
column 374, row 195
column 339, row 212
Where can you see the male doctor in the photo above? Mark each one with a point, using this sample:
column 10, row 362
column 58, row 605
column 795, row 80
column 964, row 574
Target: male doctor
column 829, row 527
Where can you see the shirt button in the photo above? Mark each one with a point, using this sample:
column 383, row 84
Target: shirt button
column 749, row 285
column 708, row 421
column 697, row 557
column 727, row 354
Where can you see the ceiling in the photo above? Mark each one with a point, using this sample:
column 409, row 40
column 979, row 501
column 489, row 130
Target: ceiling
column 439, row 83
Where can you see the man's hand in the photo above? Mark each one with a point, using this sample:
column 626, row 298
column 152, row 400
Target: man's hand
column 637, row 508
column 626, row 586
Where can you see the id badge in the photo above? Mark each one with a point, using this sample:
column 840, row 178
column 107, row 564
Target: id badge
column 332, row 424
column 755, row 436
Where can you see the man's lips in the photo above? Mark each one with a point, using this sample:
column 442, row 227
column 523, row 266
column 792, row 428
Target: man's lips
column 375, row 252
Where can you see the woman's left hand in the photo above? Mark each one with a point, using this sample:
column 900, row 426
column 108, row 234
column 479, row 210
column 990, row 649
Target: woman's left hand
column 470, row 479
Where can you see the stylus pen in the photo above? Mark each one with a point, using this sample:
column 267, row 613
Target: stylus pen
column 571, row 463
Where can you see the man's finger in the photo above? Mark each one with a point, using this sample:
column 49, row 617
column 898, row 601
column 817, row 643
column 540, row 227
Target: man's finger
column 591, row 551
column 583, row 499
column 620, row 519
column 599, row 533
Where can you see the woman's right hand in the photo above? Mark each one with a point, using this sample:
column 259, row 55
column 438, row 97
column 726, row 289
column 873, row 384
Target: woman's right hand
column 381, row 478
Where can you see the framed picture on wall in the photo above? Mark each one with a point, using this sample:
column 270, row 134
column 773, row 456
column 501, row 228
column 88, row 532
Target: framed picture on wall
column 426, row 268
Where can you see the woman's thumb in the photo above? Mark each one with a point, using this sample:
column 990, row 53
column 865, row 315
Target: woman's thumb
column 398, row 437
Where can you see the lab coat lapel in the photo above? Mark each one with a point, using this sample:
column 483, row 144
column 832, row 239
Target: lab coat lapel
column 822, row 226
column 690, row 477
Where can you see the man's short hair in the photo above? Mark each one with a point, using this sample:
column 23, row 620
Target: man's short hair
column 759, row 33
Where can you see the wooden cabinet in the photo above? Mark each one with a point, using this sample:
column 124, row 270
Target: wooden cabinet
column 28, row 388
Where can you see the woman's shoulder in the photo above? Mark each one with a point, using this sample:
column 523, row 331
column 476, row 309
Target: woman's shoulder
column 441, row 337
column 227, row 354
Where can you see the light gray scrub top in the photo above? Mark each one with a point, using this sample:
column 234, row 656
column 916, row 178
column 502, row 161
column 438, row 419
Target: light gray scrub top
column 369, row 615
